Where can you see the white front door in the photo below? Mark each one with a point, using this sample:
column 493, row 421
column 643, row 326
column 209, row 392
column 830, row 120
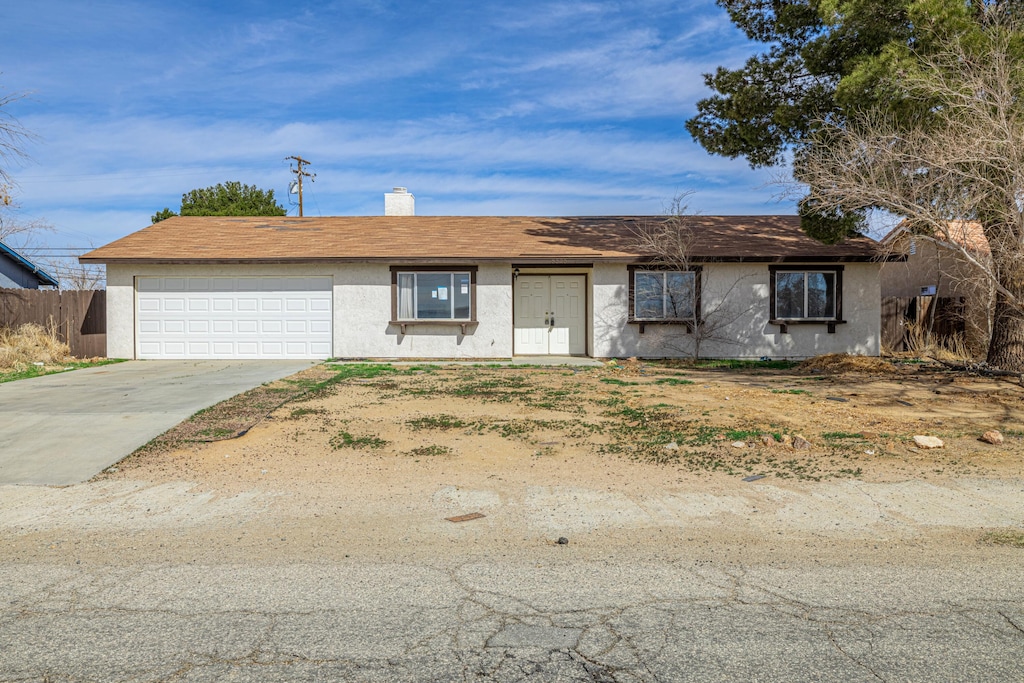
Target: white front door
column 550, row 315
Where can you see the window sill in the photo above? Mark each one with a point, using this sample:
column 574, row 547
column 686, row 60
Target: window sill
column 461, row 324
column 688, row 324
column 784, row 324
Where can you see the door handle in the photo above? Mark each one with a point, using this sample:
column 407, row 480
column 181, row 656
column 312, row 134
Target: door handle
column 546, row 318
column 552, row 323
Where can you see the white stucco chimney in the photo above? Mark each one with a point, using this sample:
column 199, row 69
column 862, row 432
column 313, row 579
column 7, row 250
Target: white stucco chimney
column 399, row 202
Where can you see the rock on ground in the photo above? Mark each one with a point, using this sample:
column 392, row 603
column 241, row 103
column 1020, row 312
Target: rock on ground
column 928, row 441
column 993, row 437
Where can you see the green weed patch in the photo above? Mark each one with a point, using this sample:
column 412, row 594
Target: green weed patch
column 302, row 412
column 733, row 364
column 431, row 451
column 1008, row 537
column 841, row 436
column 41, row 370
column 436, row 422
column 673, row 381
column 344, row 439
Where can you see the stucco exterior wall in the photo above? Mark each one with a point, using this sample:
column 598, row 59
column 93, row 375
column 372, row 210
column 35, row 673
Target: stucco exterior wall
column 121, row 311
column 362, row 304
column 362, row 311
column 735, row 304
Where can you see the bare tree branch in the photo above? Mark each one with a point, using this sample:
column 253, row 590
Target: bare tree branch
column 951, row 172
column 13, row 137
column 15, row 230
column 962, row 163
column 669, row 244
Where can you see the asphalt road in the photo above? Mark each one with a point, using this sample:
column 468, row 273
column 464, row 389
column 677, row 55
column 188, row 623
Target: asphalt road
column 548, row 619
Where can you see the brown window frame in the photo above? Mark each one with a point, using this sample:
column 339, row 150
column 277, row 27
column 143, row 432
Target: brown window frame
column 688, row 323
column 784, row 323
column 462, row 323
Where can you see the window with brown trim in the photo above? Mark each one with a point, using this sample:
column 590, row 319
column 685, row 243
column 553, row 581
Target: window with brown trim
column 664, row 296
column 806, row 294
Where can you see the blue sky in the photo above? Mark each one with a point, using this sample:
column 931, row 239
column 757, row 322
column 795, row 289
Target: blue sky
column 532, row 108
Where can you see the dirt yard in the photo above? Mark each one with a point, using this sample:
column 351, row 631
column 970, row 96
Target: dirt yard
column 390, row 452
column 826, row 419
column 639, row 459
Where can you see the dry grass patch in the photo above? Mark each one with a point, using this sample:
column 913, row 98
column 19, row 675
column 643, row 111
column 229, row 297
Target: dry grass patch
column 734, row 418
column 922, row 344
column 29, row 344
column 838, row 363
column 1009, row 537
column 32, row 350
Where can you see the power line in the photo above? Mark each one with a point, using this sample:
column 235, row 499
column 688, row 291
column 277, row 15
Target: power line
column 88, row 176
column 126, row 176
column 59, row 248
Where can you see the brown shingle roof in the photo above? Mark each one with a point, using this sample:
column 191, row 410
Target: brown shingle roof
column 460, row 238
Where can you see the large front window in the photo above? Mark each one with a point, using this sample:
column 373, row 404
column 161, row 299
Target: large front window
column 805, row 295
column 434, row 295
column 664, row 295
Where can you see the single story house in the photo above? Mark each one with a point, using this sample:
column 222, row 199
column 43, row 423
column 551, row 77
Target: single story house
column 478, row 287
column 17, row 272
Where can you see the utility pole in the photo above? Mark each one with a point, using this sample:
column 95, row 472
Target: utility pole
column 299, row 161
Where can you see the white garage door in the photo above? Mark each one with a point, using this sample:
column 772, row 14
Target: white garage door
column 233, row 317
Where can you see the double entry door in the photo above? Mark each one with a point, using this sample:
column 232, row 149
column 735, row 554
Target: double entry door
column 550, row 315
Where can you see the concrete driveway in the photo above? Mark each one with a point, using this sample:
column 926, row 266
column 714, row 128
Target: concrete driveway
column 63, row 429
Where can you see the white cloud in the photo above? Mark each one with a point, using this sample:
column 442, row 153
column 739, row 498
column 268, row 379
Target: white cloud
column 142, row 154
column 533, row 108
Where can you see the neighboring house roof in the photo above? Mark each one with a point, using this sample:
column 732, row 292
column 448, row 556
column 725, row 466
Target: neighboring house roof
column 40, row 275
column 968, row 234
column 462, row 238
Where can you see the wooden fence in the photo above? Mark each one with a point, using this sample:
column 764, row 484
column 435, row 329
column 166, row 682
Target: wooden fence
column 942, row 317
column 79, row 317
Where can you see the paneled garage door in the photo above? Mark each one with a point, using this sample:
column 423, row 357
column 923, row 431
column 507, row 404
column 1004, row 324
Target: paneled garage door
column 233, row 317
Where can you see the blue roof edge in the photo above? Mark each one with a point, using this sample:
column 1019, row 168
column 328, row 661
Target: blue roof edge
column 41, row 275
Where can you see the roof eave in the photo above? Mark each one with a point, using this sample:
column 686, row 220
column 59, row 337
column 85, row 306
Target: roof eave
column 41, row 275
column 531, row 259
